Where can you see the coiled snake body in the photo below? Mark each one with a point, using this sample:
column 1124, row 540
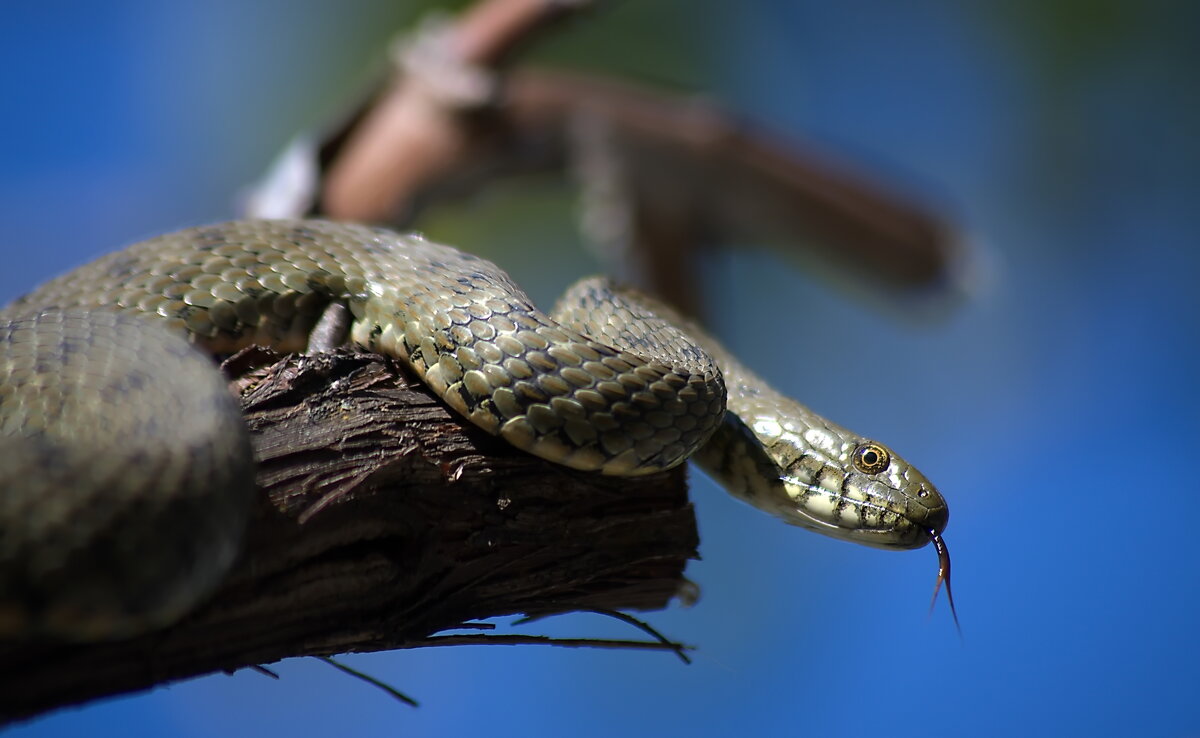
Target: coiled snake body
column 126, row 474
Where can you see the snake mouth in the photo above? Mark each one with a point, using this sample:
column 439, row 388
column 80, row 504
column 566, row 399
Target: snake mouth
column 870, row 522
column 943, row 554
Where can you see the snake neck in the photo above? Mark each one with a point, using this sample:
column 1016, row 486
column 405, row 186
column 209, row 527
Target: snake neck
column 784, row 459
column 750, row 460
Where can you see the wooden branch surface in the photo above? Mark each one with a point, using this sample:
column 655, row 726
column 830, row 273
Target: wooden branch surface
column 384, row 519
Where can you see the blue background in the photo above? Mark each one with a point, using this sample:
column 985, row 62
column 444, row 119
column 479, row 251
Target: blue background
column 1056, row 407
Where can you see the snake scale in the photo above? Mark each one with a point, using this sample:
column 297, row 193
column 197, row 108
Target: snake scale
column 126, row 473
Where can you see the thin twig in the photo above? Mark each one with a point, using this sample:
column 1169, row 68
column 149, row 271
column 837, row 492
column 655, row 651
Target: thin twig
column 369, row 680
column 631, row 620
column 265, row 671
column 523, row 640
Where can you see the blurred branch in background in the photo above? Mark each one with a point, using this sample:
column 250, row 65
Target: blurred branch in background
column 663, row 178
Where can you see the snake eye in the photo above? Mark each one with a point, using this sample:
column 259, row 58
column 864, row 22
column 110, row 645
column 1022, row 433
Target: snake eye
column 871, row 458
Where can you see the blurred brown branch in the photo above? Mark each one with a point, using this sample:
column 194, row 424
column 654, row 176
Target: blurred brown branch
column 664, row 177
column 418, row 127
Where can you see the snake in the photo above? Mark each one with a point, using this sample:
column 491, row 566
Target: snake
column 126, row 471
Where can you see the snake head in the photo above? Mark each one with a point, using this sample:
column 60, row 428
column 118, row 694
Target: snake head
column 782, row 458
column 898, row 504
column 859, row 490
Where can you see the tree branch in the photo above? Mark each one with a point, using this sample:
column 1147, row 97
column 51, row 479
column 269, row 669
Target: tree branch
column 384, row 519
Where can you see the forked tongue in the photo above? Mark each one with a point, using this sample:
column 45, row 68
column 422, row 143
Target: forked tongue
column 943, row 576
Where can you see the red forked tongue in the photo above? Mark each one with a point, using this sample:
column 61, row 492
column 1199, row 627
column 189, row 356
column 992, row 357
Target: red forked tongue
column 943, row 576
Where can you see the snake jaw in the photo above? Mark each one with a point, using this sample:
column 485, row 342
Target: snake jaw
column 863, row 509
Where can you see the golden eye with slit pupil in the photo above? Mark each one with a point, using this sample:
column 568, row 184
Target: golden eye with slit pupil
column 871, row 458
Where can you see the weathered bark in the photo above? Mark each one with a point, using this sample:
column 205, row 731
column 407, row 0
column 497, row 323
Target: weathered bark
column 384, row 519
